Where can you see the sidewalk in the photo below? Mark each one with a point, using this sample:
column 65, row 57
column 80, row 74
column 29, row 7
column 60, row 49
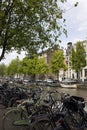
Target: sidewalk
column 2, row 111
column 9, row 125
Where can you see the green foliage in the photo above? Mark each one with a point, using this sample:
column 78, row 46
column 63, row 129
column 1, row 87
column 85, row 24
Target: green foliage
column 78, row 57
column 3, row 69
column 14, row 67
column 34, row 66
column 29, row 25
column 24, row 65
column 41, row 66
column 29, row 65
column 57, row 62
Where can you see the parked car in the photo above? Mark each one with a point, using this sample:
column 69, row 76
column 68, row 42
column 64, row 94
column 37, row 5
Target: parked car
column 48, row 80
column 85, row 81
column 28, row 82
column 39, row 82
column 18, row 80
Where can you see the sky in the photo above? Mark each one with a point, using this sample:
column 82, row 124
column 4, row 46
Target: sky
column 76, row 21
column 76, row 25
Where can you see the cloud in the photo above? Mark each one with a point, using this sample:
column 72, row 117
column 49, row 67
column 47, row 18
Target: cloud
column 77, row 39
column 78, row 13
column 76, row 21
column 82, row 11
column 10, row 56
column 82, row 26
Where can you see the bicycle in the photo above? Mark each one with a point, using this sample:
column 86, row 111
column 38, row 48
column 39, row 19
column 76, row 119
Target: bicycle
column 19, row 116
column 66, row 119
column 76, row 115
column 15, row 118
column 51, row 119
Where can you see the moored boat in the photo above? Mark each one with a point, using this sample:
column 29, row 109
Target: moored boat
column 68, row 83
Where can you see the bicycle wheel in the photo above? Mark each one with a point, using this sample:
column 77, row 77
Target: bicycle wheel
column 41, row 124
column 14, row 120
column 12, row 102
column 74, row 120
column 60, row 128
column 1, row 98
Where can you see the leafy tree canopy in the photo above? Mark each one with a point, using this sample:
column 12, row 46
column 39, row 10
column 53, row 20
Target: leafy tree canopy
column 57, row 61
column 78, row 56
column 29, row 24
column 3, row 69
column 41, row 66
column 14, row 67
column 29, row 65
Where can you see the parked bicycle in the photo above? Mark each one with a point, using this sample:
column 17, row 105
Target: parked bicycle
column 71, row 117
column 57, row 111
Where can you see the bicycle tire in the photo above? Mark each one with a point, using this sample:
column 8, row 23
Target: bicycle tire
column 10, row 120
column 74, row 120
column 12, row 102
column 60, row 128
column 1, row 98
column 41, row 124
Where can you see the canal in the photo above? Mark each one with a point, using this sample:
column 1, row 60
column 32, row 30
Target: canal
column 76, row 92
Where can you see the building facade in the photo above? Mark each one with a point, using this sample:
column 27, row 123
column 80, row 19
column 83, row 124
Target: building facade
column 83, row 73
column 68, row 73
column 71, row 73
column 48, row 56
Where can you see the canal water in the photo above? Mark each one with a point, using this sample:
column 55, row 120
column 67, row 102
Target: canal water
column 75, row 92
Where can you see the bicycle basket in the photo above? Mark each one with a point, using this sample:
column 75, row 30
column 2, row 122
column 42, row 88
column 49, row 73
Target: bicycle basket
column 72, row 103
column 79, row 99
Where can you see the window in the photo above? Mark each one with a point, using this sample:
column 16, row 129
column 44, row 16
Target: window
column 85, row 72
column 81, row 73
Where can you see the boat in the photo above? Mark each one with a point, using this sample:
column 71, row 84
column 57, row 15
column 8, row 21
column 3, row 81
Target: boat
column 69, row 83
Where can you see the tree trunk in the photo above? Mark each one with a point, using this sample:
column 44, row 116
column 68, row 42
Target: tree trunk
column 78, row 75
column 57, row 76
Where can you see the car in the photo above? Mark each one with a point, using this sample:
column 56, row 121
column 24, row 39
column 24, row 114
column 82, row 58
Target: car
column 48, row 80
column 25, row 82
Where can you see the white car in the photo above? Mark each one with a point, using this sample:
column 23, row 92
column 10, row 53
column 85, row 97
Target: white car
column 25, row 82
column 49, row 80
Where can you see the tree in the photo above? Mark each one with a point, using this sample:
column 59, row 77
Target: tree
column 29, row 66
column 33, row 66
column 41, row 67
column 3, row 68
column 30, row 25
column 24, row 66
column 14, row 67
column 78, row 57
column 57, row 62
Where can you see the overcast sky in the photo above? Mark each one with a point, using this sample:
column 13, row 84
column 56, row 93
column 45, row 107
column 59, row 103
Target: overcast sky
column 76, row 21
